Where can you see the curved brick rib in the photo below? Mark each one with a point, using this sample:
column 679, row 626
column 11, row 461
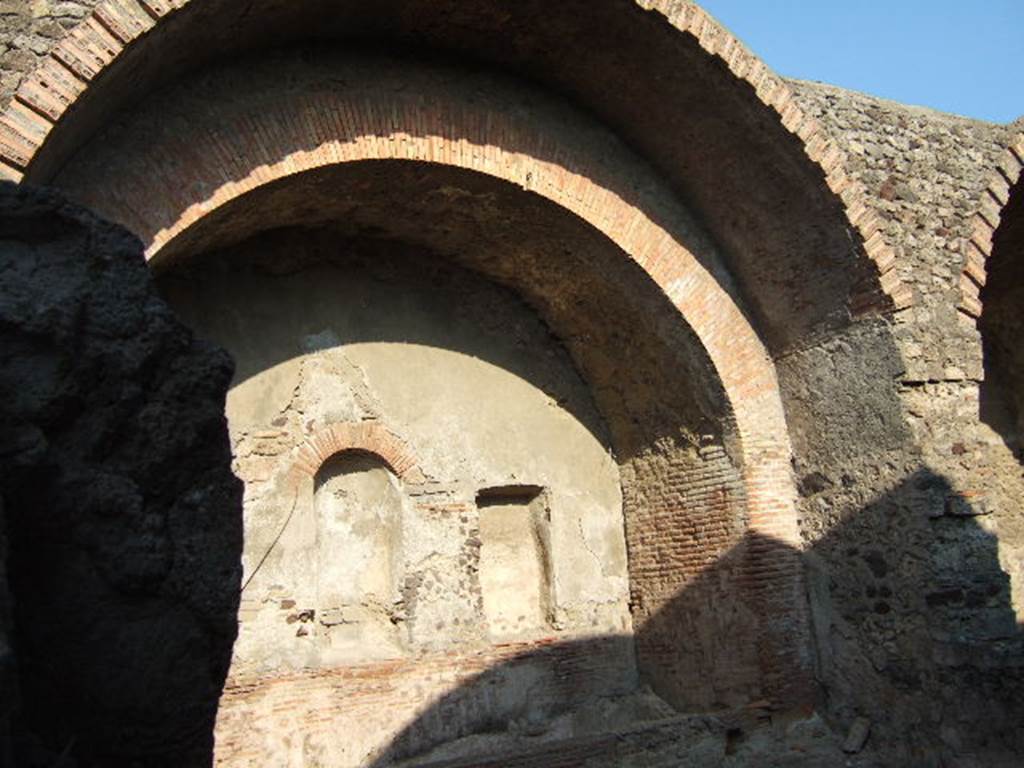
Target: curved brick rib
column 245, row 146
column 366, row 437
column 984, row 223
column 87, row 50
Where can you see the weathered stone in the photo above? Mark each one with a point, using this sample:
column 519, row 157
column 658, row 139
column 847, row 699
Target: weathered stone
column 123, row 518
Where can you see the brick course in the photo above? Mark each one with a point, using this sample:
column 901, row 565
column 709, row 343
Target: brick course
column 62, row 77
column 983, row 225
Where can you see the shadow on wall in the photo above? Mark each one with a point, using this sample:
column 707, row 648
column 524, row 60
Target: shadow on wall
column 944, row 686
column 915, row 629
column 334, row 276
column 943, row 689
column 122, row 517
column 592, row 297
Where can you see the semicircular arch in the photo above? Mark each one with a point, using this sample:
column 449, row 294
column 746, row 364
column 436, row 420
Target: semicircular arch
column 360, row 437
column 424, row 116
column 54, row 111
column 994, row 293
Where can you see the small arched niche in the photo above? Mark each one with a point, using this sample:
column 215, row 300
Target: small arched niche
column 358, row 505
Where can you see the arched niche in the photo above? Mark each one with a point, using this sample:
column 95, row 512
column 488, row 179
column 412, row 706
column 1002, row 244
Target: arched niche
column 359, row 509
column 515, row 571
column 328, row 556
column 550, row 204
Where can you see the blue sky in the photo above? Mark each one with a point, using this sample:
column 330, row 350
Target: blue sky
column 960, row 57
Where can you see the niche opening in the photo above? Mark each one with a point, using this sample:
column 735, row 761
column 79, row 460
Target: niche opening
column 515, row 570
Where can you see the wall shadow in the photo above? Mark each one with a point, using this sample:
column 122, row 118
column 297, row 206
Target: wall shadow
column 258, row 282
column 121, row 518
column 943, row 689
column 622, row 334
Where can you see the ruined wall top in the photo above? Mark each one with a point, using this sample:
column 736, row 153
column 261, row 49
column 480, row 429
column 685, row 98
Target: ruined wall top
column 926, row 174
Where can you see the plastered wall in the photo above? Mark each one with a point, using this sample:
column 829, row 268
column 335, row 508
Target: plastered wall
column 371, row 559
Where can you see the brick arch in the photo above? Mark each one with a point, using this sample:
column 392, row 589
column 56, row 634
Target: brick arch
column 333, row 440
column 244, row 148
column 364, row 437
column 278, row 146
column 87, row 51
column 984, row 223
column 995, row 292
column 578, row 167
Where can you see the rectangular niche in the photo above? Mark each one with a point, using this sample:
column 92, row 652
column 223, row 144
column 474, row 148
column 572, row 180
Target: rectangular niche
column 514, row 561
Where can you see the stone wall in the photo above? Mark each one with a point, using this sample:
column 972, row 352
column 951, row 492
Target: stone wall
column 925, row 173
column 122, row 516
column 28, row 30
column 929, row 173
column 912, row 509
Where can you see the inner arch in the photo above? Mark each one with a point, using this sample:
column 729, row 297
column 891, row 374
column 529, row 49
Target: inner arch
column 326, row 112
column 311, row 172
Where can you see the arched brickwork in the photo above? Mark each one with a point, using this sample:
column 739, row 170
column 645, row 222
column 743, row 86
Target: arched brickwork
column 333, row 440
column 978, row 248
column 995, row 301
column 365, row 437
column 50, row 94
column 391, row 115
column 484, row 144
column 247, row 146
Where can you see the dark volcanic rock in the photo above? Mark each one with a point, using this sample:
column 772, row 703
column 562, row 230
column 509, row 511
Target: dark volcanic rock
column 123, row 517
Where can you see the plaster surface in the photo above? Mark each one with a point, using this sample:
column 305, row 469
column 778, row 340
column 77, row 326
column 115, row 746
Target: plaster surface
column 359, row 564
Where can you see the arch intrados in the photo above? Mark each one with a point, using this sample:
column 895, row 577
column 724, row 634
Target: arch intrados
column 536, row 146
column 1000, row 324
column 443, row 224
column 706, row 83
